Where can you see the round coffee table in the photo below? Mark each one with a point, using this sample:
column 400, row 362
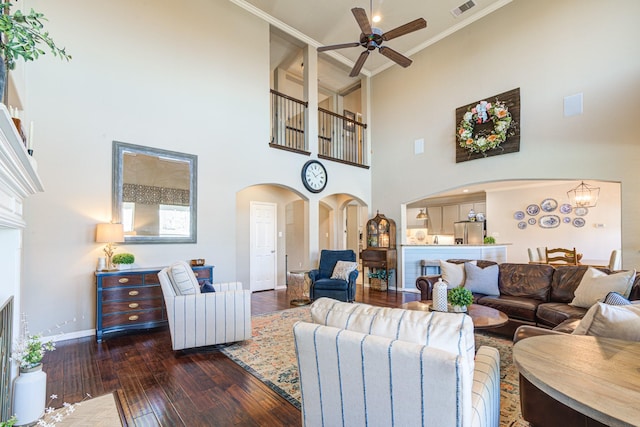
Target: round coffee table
column 483, row 317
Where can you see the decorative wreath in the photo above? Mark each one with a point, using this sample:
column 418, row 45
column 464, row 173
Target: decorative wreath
column 482, row 113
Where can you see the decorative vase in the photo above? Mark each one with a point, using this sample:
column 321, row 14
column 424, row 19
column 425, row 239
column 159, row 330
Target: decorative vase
column 29, row 395
column 440, row 296
column 459, row 308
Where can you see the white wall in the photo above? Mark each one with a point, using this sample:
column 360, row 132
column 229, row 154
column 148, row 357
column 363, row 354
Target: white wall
column 547, row 48
column 593, row 243
column 192, row 78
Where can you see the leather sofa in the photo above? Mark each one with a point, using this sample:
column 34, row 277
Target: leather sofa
column 531, row 294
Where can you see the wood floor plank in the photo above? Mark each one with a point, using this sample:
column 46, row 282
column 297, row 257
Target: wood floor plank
column 159, row 387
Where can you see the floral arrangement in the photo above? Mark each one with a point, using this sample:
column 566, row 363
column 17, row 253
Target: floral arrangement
column 30, row 349
column 51, row 415
column 482, row 113
column 460, row 296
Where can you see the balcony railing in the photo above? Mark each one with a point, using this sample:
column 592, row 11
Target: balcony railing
column 288, row 117
column 340, row 138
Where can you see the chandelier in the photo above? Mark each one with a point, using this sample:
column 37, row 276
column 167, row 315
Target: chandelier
column 583, row 196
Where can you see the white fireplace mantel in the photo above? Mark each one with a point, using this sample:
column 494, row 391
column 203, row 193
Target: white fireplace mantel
column 18, row 173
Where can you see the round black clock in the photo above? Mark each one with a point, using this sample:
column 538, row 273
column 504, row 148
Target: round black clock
column 314, row 176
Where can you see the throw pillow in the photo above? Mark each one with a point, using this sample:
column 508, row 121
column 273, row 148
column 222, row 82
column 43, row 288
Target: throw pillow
column 206, row 287
column 595, row 285
column 183, row 280
column 343, row 269
column 611, row 321
column 482, row 280
column 614, row 298
column 452, row 273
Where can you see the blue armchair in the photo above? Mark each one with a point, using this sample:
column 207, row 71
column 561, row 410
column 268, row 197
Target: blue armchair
column 322, row 285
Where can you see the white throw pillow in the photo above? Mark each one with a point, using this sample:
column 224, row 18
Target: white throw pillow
column 482, row 280
column 595, row 285
column 453, row 274
column 182, row 278
column 611, row 321
column 343, row 269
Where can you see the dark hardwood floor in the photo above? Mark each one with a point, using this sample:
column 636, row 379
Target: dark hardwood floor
column 157, row 386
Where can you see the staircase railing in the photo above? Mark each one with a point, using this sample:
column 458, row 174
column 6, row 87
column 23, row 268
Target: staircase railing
column 288, row 118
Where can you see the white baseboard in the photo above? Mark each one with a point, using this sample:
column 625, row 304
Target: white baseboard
column 70, row 335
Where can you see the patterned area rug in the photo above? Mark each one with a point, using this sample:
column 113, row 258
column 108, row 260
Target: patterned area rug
column 270, row 357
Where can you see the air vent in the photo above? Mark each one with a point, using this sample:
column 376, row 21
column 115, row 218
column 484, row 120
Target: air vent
column 463, row 8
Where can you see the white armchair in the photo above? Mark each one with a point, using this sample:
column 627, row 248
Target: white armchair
column 200, row 319
column 365, row 365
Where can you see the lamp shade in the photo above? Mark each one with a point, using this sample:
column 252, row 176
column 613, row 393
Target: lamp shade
column 583, row 196
column 109, row 233
column 422, row 215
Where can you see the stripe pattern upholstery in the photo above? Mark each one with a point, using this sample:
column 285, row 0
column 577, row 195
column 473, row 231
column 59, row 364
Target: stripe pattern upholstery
column 334, row 384
column 206, row 319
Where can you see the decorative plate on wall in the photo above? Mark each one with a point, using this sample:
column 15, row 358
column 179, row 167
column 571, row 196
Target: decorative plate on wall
column 549, row 205
column 549, row 221
column 566, row 220
column 519, row 215
column 533, row 209
column 566, row 208
column 581, row 211
column 578, row 222
column 522, row 225
column 532, row 221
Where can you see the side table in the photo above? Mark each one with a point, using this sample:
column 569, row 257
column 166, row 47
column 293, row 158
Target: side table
column 298, row 287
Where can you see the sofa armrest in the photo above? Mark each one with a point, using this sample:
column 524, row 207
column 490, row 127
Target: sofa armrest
column 485, row 398
column 527, row 331
column 314, row 275
column 425, row 285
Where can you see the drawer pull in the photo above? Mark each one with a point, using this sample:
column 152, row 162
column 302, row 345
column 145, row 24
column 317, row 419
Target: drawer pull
column 134, row 305
column 123, row 280
column 134, row 317
column 133, row 293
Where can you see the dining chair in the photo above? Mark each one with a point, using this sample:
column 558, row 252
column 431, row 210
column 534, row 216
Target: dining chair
column 534, row 257
column 561, row 256
column 615, row 261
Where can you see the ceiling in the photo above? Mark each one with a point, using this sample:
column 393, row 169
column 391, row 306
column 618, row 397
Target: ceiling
column 297, row 23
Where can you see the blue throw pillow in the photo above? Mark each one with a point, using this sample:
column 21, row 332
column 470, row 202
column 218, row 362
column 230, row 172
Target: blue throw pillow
column 482, row 280
column 206, row 287
column 614, row 298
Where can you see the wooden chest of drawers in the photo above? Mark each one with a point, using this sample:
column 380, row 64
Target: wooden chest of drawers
column 132, row 299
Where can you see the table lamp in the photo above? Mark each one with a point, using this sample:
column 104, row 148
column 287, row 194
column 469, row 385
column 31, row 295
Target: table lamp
column 109, row 234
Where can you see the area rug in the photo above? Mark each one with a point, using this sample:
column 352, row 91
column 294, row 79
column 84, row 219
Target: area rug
column 95, row 412
column 270, row 357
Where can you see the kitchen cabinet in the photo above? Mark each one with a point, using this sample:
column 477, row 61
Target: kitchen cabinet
column 412, row 221
column 441, row 219
column 464, row 209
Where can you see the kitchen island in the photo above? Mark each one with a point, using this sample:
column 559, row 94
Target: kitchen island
column 413, row 254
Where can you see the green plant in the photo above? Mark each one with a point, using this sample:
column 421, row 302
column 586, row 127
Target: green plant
column 378, row 274
column 30, row 349
column 460, row 296
column 123, row 258
column 23, row 35
column 11, row 421
column 489, row 240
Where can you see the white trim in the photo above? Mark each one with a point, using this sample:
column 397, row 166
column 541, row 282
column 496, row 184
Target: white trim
column 70, row 335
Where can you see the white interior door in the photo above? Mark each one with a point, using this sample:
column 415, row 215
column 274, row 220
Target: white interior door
column 262, row 271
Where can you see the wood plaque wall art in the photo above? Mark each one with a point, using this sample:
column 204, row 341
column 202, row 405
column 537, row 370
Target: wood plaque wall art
column 491, row 128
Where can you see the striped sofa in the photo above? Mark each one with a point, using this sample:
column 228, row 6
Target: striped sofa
column 201, row 319
column 363, row 365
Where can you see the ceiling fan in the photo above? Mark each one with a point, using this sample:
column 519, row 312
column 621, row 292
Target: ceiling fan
column 372, row 38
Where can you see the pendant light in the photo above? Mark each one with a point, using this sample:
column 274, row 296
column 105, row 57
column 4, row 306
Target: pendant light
column 583, row 196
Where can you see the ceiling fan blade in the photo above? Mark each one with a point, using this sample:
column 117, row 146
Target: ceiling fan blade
column 359, row 63
column 396, row 57
column 407, row 28
column 363, row 22
column 338, row 46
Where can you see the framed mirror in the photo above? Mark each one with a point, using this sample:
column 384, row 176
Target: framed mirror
column 154, row 194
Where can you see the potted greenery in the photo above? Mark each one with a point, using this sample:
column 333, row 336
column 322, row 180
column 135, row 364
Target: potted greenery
column 123, row 260
column 378, row 279
column 460, row 298
column 489, row 240
column 22, row 37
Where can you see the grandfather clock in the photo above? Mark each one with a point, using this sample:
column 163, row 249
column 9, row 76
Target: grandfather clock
column 381, row 256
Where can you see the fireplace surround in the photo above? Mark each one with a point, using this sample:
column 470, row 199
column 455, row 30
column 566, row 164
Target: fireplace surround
column 18, row 180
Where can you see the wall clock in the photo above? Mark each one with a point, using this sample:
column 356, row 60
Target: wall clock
column 314, row 176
